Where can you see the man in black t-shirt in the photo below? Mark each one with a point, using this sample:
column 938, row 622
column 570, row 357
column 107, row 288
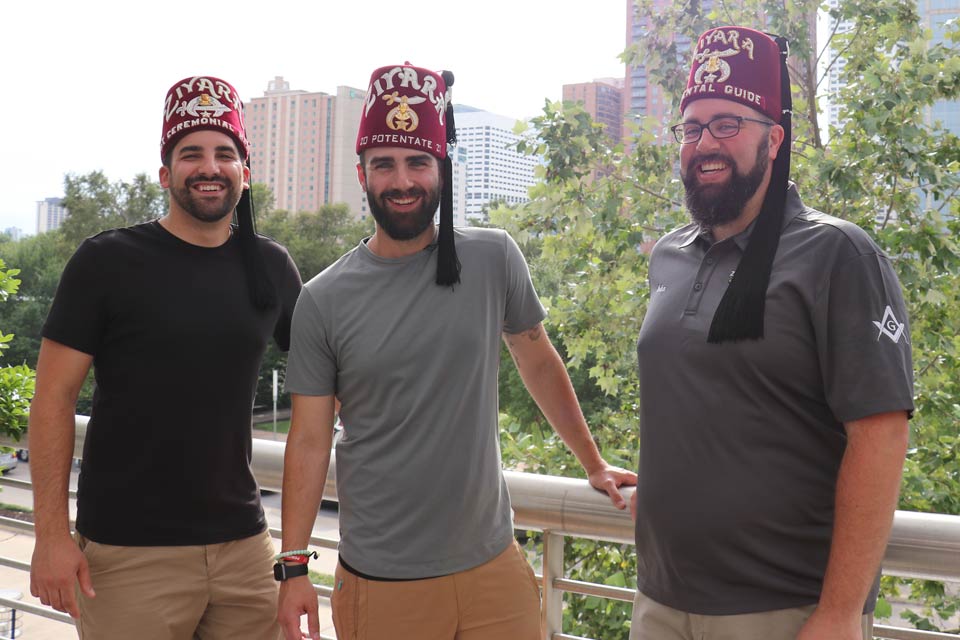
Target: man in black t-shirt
column 174, row 316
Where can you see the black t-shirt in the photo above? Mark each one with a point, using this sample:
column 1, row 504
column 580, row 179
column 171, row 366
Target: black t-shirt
column 176, row 346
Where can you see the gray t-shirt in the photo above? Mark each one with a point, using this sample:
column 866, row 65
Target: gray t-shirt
column 741, row 442
column 414, row 366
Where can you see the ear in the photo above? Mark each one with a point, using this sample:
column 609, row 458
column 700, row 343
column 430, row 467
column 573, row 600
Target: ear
column 246, row 176
column 165, row 177
column 361, row 176
column 776, row 139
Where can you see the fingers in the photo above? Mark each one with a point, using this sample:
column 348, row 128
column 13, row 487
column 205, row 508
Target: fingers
column 60, row 599
column 313, row 623
column 611, row 488
column 292, row 606
column 83, row 577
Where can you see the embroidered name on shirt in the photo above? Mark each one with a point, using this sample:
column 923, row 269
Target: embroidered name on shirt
column 889, row 326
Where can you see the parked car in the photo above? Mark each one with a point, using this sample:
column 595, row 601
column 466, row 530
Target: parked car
column 8, row 460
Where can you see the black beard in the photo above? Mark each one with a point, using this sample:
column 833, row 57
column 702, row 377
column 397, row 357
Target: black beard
column 404, row 226
column 715, row 205
column 200, row 210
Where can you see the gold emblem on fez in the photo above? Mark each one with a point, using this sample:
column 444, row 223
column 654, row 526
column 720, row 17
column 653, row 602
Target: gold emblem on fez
column 204, row 105
column 402, row 117
column 713, row 68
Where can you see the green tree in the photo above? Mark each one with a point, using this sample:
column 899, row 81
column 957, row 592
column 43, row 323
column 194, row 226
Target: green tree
column 96, row 204
column 16, row 382
column 886, row 168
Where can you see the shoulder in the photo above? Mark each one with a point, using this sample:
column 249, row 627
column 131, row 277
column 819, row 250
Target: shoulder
column 112, row 242
column 677, row 237
column 274, row 253
column 271, row 247
column 484, row 241
column 480, row 236
column 843, row 236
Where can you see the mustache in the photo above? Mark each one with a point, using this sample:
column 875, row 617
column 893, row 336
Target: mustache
column 711, row 157
column 413, row 192
column 201, row 178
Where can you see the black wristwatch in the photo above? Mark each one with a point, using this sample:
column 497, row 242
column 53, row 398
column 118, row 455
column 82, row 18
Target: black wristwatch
column 283, row 572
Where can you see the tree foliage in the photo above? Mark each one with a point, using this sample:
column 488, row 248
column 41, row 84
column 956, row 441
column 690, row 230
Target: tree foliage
column 16, row 381
column 96, row 204
column 597, row 208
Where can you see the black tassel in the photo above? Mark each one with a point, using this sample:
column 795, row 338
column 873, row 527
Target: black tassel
column 740, row 313
column 262, row 292
column 448, row 117
column 448, row 265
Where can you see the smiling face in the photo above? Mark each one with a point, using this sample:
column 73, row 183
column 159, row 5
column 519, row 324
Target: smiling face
column 205, row 176
column 727, row 179
column 403, row 189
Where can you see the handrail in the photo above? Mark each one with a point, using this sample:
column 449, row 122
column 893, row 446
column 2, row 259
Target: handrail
column 921, row 545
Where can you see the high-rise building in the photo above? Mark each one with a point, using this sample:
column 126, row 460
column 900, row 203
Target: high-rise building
column 344, row 186
column 641, row 97
column 602, row 99
column 935, row 14
column 300, row 143
column 14, row 233
column 50, row 214
column 496, row 171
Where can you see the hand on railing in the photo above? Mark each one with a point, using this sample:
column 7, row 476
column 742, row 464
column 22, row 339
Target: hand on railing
column 609, row 478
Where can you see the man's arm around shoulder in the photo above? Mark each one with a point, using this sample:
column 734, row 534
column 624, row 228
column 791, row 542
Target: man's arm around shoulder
column 57, row 561
column 868, row 487
column 305, row 464
column 546, row 378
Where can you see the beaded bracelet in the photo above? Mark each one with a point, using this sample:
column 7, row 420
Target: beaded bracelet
column 306, row 554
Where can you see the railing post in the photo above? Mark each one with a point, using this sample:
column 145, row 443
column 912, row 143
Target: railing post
column 552, row 611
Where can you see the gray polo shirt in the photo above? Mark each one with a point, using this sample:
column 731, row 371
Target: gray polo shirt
column 741, row 442
column 415, row 368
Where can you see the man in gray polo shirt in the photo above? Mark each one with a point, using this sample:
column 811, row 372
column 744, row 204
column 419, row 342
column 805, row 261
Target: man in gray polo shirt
column 404, row 330
column 776, row 383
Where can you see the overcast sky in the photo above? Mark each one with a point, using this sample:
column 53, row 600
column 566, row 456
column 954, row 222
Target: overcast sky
column 83, row 82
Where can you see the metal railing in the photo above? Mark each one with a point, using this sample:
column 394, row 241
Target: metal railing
column 921, row 545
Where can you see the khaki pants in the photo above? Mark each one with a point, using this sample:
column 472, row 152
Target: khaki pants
column 498, row 600
column 654, row 621
column 209, row 592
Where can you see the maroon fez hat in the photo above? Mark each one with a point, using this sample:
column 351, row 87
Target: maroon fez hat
column 202, row 102
column 409, row 107
column 738, row 64
column 406, row 106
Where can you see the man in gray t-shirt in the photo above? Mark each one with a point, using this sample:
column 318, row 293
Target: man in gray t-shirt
column 775, row 381
column 404, row 331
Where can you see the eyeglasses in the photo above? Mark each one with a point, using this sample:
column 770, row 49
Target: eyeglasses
column 720, row 128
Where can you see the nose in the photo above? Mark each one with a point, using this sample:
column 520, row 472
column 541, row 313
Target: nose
column 707, row 141
column 404, row 179
column 209, row 165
